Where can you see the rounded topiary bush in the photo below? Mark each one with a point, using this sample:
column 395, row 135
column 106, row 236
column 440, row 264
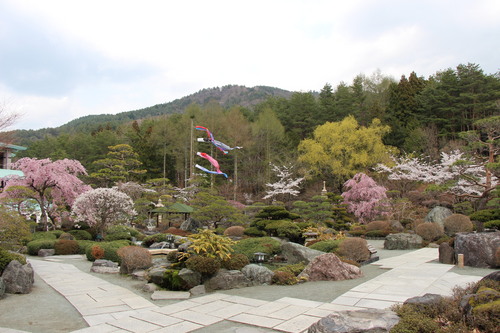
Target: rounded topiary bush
column 354, row 248
column 81, row 234
column 203, row 265
column 249, row 246
column 234, row 231
column 66, row 246
column 295, row 269
column 456, row 223
column 110, row 251
column 43, row 235
column 133, row 258
column 36, row 245
column 254, row 232
column 236, row 262
column 429, row 231
column 66, row 236
column 378, row 225
column 283, row 278
column 330, row 245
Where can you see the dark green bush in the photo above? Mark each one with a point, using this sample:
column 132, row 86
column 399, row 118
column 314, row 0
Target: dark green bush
column 81, row 234
column 43, row 235
column 6, row 257
column 110, row 250
column 203, row 265
column 156, row 238
column 172, row 281
column 121, row 229
column 36, row 245
column 57, row 233
column 66, row 246
column 254, row 232
column 326, row 246
column 83, row 245
column 236, row 262
column 486, row 215
column 493, row 224
column 285, row 229
column 117, row 236
column 249, row 246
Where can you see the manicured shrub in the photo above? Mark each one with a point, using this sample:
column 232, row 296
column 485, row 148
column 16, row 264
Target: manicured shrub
column 354, row 248
column 493, row 224
column 429, row 231
column 203, row 265
column 378, row 225
column 249, row 246
column 357, row 230
column 36, row 245
column 6, row 257
column 156, row 238
column 119, row 235
column 43, row 235
column 57, row 233
column 285, row 229
column 14, row 230
column 457, row 223
column 254, row 232
column 110, row 250
column 133, row 258
column 66, row 235
column 330, row 245
column 81, row 234
column 83, row 245
column 177, row 231
column 66, row 246
column 294, row 269
column 234, row 231
column 235, row 262
column 284, row 278
column 414, row 322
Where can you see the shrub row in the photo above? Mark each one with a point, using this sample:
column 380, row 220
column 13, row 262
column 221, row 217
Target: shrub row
column 6, row 257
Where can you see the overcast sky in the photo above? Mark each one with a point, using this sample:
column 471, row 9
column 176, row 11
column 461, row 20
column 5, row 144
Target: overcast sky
column 60, row 59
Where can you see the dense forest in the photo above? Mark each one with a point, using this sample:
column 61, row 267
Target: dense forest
column 415, row 115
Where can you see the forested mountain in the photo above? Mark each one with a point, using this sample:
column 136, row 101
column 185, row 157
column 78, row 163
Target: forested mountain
column 226, row 96
column 423, row 116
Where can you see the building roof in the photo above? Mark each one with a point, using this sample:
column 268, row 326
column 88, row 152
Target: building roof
column 13, row 147
column 8, row 172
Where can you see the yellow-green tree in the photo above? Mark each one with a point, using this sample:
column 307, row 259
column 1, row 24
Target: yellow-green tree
column 342, row 149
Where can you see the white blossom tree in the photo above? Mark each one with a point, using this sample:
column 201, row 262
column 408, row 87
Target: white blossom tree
column 103, row 207
column 461, row 175
column 286, row 185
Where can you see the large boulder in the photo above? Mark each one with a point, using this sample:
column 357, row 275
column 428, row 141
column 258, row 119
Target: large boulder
column 495, row 276
column 258, row 274
column 367, row 320
column 225, row 279
column 46, row 252
column 438, row 214
column 190, row 277
column 478, row 248
column 328, row 267
column 155, row 275
column 425, row 300
column 446, row 254
column 296, row 253
column 18, row 278
column 402, row 241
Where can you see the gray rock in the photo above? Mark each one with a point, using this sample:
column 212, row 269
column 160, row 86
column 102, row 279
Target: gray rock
column 2, row 287
column 478, row 248
column 328, row 267
column 397, row 226
column 225, row 280
column 190, row 277
column 198, row 290
column 427, row 299
column 149, row 287
column 438, row 214
column 46, row 252
column 368, row 320
column 258, row 274
column 296, row 253
column 495, row 276
column 446, row 254
column 18, row 278
column 139, row 275
column 184, row 246
column 402, row 241
column 160, row 245
column 155, row 275
column 104, row 263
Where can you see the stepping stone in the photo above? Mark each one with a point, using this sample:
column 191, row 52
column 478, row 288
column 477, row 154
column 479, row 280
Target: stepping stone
column 166, row 294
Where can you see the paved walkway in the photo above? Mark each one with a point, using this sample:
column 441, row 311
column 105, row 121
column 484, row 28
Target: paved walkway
column 110, row 308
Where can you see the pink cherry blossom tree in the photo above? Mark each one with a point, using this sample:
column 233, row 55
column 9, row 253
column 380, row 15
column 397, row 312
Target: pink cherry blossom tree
column 103, row 207
column 364, row 197
column 52, row 184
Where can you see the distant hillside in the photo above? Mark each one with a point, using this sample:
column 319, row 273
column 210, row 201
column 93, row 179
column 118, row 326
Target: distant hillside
column 227, row 96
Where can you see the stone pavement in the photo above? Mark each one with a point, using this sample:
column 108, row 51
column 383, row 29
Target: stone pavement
column 110, row 308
